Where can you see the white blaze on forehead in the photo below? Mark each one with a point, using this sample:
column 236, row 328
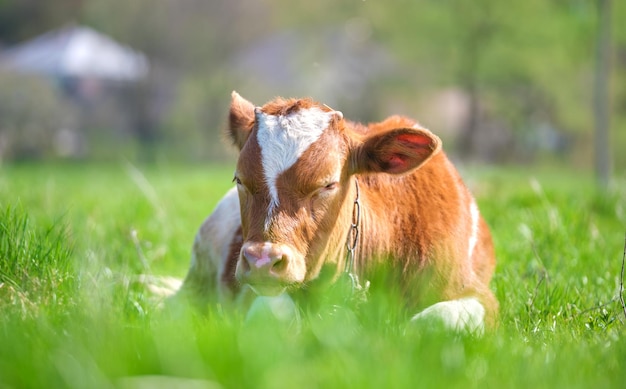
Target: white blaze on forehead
column 284, row 138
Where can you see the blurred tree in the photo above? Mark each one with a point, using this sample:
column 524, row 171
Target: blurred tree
column 618, row 87
column 601, row 100
column 24, row 19
column 33, row 120
column 474, row 28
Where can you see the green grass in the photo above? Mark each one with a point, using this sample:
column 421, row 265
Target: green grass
column 75, row 313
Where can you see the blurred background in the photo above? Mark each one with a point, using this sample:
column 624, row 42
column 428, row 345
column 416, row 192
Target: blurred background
column 515, row 82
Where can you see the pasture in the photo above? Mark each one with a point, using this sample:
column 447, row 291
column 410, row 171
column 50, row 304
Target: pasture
column 79, row 245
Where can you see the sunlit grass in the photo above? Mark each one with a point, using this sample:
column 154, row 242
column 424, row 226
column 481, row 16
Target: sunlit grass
column 35, row 265
column 76, row 243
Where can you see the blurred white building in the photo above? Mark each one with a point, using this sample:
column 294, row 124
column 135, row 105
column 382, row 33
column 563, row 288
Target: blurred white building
column 76, row 52
column 94, row 78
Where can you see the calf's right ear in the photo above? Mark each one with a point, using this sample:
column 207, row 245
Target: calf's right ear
column 240, row 120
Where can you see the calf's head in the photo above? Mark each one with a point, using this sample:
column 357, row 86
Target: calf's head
column 294, row 178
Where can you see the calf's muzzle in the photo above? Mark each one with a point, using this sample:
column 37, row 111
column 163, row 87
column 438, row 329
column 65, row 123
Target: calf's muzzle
column 266, row 267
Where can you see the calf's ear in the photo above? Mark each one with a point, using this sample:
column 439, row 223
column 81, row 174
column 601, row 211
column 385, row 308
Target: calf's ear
column 240, row 120
column 396, row 151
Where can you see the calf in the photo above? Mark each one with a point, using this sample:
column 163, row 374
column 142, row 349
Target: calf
column 303, row 177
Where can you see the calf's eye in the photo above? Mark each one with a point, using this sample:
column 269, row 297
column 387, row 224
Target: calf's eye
column 324, row 189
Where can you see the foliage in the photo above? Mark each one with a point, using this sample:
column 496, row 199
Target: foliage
column 40, row 16
column 32, row 117
column 94, row 235
column 526, row 65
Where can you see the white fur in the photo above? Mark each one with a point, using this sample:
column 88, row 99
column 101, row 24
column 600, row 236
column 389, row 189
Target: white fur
column 283, row 140
column 463, row 315
column 474, row 234
column 216, row 233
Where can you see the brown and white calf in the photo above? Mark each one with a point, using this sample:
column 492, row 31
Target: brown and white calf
column 287, row 221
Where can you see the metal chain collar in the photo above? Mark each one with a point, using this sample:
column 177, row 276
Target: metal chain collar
column 353, row 233
column 358, row 292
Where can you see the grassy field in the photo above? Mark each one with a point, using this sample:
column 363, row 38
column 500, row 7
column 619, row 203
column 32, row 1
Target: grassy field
column 77, row 243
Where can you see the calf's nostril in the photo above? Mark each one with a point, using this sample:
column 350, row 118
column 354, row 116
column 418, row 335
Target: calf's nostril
column 245, row 264
column 279, row 265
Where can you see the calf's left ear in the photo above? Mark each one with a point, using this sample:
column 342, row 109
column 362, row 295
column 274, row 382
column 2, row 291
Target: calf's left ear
column 396, row 151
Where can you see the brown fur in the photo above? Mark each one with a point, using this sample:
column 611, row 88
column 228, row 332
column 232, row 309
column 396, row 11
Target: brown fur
column 415, row 207
column 228, row 275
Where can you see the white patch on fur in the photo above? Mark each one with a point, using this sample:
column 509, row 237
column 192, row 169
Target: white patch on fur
column 283, row 139
column 474, row 234
column 463, row 315
column 217, row 231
